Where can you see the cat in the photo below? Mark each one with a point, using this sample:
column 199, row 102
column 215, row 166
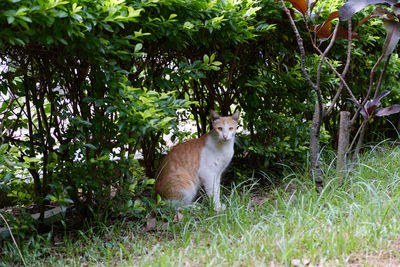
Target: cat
column 198, row 162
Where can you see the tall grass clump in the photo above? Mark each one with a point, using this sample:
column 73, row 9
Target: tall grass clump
column 351, row 220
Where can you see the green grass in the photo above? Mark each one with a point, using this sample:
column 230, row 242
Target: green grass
column 357, row 221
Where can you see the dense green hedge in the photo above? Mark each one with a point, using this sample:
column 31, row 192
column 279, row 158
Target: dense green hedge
column 85, row 85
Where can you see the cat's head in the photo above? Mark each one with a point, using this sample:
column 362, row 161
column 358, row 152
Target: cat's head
column 224, row 127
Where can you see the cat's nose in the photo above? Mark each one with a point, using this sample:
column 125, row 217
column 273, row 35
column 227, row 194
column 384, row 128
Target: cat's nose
column 225, row 137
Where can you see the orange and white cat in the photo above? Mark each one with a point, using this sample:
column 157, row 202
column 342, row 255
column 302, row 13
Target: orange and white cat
column 198, row 162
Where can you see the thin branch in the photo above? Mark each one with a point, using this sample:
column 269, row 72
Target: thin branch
column 301, row 47
column 339, row 76
column 19, row 104
column 371, row 84
column 324, row 54
column 355, row 137
column 15, row 141
column 378, row 87
column 14, row 128
column 302, row 57
column 345, row 70
column 359, row 143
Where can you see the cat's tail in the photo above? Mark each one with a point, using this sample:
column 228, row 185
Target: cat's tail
column 158, row 183
column 180, row 187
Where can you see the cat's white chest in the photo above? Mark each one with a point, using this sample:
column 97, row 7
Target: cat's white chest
column 215, row 158
column 216, row 161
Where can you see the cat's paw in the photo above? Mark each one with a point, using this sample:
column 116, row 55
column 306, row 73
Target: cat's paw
column 220, row 207
column 194, row 206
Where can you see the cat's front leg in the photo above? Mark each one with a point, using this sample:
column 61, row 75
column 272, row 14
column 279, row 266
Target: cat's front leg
column 217, row 195
column 212, row 187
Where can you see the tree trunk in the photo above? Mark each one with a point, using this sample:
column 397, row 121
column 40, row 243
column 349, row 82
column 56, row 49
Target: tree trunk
column 359, row 142
column 314, row 145
column 343, row 143
column 149, row 145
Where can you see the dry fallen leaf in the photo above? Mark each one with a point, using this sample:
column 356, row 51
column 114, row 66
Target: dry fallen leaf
column 178, row 217
column 151, row 225
column 295, row 262
column 303, row 262
column 306, row 262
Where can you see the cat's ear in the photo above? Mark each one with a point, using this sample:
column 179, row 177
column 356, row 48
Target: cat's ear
column 236, row 115
column 214, row 115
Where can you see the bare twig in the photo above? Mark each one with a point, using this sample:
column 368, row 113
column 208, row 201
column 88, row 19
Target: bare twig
column 339, row 76
column 364, row 125
column 355, row 137
column 301, row 47
column 378, row 87
column 302, row 58
column 360, row 142
column 323, row 55
column 371, row 83
column 345, row 70
column 318, row 111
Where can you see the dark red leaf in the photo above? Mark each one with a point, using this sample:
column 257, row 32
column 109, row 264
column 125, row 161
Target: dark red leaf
column 300, row 5
column 388, row 111
column 377, row 12
column 364, row 20
column 396, row 9
column 372, row 105
column 392, row 37
column 363, row 112
column 382, row 95
column 353, row 6
column 324, row 31
column 312, row 5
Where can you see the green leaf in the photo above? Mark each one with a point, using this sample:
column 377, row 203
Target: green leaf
column 188, row 25
column 132, row 186
column 76, row 8
column 90, row 146
column 99, row 102
column 10, row 19
column 3, row 148
column 30, row 160
column 25, row 18
column 3, row 107
column 150, row 182
column 62, row 40
column 107, row 27
column 137, row 203
column 212, row 57
column 206, row 59
column 138, row 47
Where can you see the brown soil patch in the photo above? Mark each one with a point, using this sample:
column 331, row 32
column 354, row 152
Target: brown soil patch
column 390, row 256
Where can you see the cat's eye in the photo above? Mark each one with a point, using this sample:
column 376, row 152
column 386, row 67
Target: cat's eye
column 219, row 128
column 230, row 128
